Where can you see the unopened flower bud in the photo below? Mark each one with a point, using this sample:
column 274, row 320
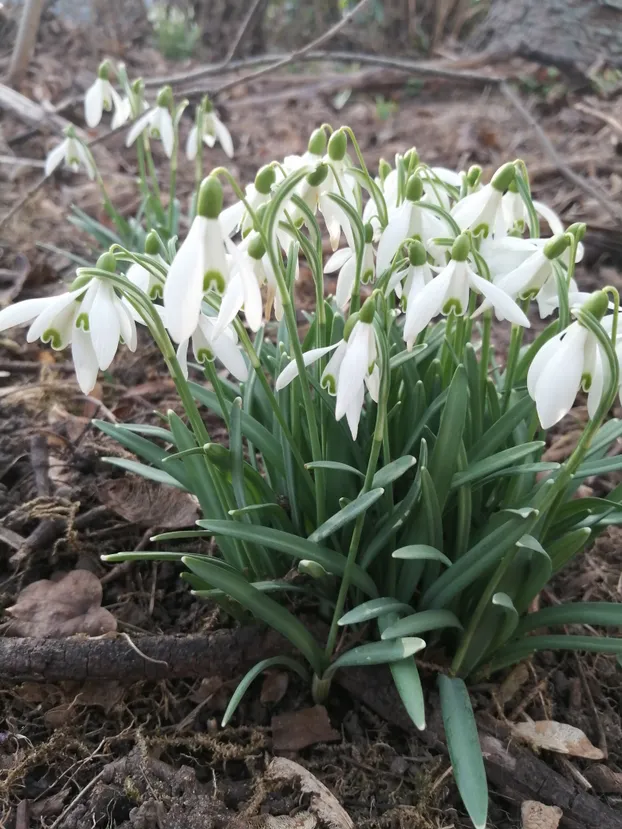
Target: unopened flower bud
column 318, row 175
column 578, row 230
column 473, row 175
column 350, row 323
column 366, row 314
column 417, row 254
column 384, row 168
column 264, row 180
column 107, row 262
column 461, row 247
column 369, row 233
column 411, row 159
column 256, row 247
column 311, row 568
column 597, row 304
column 152, row 243
column 556, row 246
column 207, row 105
column 209, row 202
column 504, row 176
column 104, row 70
column 414, row 188
column 337, row 145
column 317, row 142
column 138, row 86
column 165, row 97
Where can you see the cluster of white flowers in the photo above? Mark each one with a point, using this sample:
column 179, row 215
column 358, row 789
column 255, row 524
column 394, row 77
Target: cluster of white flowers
column 433, row 242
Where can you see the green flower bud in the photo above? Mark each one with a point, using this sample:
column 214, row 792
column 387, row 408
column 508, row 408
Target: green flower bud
column 578, row 230
column 503, row 177
column 318, row 175
column 384, row 168
column 350, row 323
column 104, row 70
column 414, row 188
column 260, row 212
column 265, row 179
column 80, row 281
column 366, row 314
column 311, row 568
column 337, row 145
column 138, row 87
column 473, row 175
column 165, row 97
column 461, row 247
column 597, row 304
column 556, row 246
column 411, row 159
column 207, row 105
column 256, row 248
column 107, row 262
column 152, row 243
column 417, row 255
column 369, row 233
column 209, row 202
column 317, row 142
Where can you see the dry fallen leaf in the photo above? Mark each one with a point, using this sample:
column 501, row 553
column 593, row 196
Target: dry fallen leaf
column 296, row 730
column 55, row 609
column 514, row 681
column 559, row 737
column 274, row 687
column 323, row 804
column 149, row 504
column 536, row 815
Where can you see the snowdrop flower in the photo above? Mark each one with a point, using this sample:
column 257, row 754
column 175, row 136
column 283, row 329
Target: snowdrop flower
column 344, row 261
column 73, row 152
column 213, row 130
column 483, row 209
column 449, row 292
column 566, row 363
column 236, row 217
column 157, row 122
column 548, row 297
column 207, row 347
column 408, row 220
column 100, row 96
column 122, row 111
column 338, row 182
column 387, row 181
column 91, row 318
column 243, row 291
column 199, row 265
column 433, row 179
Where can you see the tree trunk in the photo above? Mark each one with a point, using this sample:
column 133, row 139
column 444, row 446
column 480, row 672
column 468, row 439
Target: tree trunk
column 564, row 33
column 26, row 40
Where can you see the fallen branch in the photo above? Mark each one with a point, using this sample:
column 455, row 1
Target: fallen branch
column 223, row 653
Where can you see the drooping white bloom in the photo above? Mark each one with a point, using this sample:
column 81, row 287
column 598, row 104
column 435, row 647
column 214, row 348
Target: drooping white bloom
column 100, row 96
column 450, row 291
column 237, row 217
column 158, row 123
column 483, row 208
column 122, row 111
column 199, row 265
column 350, row 370
column 213, row 130
column 207, row 347
column 566, row 363
column 73, row 152
column 344, row 261
column 92, row 319
column 144, row 279
column 243, row 291
column 290, row 372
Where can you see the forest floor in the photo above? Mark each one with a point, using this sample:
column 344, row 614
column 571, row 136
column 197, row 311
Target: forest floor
column 151, row 754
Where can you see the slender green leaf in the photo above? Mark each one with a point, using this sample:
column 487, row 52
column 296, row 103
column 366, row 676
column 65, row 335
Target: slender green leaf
column 404, row 356
column 598, row 467
column 336, row 466
column 500, row 431
column 420, row 622
column 392, row 471
column 376, row 653
column 493, row 463
column 573, row 613
column 464, row 748
column 372, row 610
column 346, row 515
column 516, row 651
column 444, row 456
column 408, row 685
column 418, row 552
column 151, row 473
column 255, row 671
column 564, row 548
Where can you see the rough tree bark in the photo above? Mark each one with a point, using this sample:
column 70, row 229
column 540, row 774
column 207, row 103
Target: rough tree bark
column 26, row 40
column 564, row 33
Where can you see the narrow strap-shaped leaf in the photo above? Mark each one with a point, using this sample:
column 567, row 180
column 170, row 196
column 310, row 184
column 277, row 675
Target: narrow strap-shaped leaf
column 150, row 430
column 150, row 473
column 564, row 548
column 298, row 548
column 392, row 471
column 255, row 671
column 404, row 356
column 418, row 552
column 436, row 404
column 500, row 431
column 408, row 685
column 421, row 622
column 372, row 610
column 573, row 613
column 336, row 466
column 493, row 463
column 523, row 648
column 274, row 510
column 237, row 453
column 464, row 749
column 376, row 653
column 444, row 457
column 598, row 467
column 346, row 515
column 261, row 606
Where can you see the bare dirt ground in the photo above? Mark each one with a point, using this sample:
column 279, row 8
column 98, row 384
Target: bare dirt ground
column 152, row 754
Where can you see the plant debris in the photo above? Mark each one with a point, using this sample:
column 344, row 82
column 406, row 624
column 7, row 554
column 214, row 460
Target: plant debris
column 558, row 737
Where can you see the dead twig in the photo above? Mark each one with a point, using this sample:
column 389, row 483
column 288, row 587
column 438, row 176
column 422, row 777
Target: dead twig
column 601, row 116
column 80, row 796
column 592, row 190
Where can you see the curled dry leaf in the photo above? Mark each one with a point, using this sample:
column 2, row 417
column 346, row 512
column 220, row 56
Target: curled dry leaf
column 55, row 609
column 149, row 504
column 274, row 687
column 535, row 815
column 559, row 737
column 296, row 730
column 323, row 804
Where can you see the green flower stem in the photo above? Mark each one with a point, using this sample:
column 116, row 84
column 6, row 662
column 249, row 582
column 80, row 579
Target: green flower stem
column 119, row 222
column 485, row 350
column 198, row 161
column 212, row 376
column 382, row 208
column 153, row 175
column 142, row 171
column 516, row 341
column 172, row 185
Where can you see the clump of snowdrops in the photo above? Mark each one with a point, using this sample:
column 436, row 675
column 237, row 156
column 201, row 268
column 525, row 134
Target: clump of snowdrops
column 383, row 467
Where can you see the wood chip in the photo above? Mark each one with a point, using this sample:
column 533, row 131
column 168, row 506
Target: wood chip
column 558, row 737
column 323, row 803
column 536, row 815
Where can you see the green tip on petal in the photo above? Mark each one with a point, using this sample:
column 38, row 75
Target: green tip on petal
column 317, row 142
column 152, row 243
column 207, row 105
column 556, row 246
column 351, row 322
column 256, row 247
column 473, row 175
column 318, row 175
column 264, row 180
column 461, row 247
column 209, row 202
column 417, row 254
column 369, row 233
column 165, row 97
column 104, row 70
column 107, row 262
column 597, row 304
column 70, row 131
column 366, row 314
column 414, row 188
column 504, row 176
column 80, row 281
column 337, row 145
column 578, row 230
column 138, row 86
column 384, row 168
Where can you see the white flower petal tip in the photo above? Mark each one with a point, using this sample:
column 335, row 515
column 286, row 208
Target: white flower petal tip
column 290, row 372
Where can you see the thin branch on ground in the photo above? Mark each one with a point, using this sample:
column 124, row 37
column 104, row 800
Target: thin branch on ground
column 613, row 209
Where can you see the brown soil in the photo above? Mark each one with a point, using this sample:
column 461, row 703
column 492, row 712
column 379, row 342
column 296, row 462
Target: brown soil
column 156, row 749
